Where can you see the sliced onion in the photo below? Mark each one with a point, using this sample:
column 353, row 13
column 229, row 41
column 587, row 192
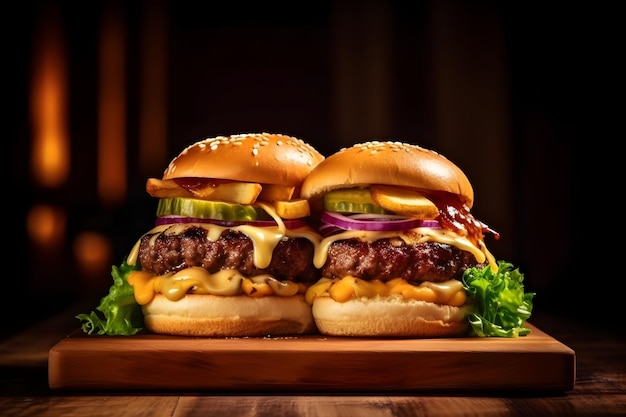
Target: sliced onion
column 433, row 224
column 327, row 229
column 179, row 219
column 371, row 222
column 289, row 224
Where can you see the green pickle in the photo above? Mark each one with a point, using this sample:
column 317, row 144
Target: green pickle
column 217, row 210
column 351, row 200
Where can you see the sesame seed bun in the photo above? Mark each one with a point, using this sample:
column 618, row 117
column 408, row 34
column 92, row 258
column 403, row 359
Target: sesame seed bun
column 391, row 171
column 251, row 157
column 224, row 259
column 388, row 163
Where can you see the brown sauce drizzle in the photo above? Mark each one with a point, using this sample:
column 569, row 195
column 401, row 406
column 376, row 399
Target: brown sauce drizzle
column 191, row 183
column 456, row 216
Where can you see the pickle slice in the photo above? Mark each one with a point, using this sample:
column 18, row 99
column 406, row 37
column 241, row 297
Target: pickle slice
column 352, row 200
column 216, row 210
column 404, row 201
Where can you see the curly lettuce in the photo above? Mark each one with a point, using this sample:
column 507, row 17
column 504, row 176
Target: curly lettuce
column 118, row 314
column 501, row 305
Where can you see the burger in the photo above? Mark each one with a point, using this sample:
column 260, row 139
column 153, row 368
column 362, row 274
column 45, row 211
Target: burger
column 231, row 252
column 398, row 240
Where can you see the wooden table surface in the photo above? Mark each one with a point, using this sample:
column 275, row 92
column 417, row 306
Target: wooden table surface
column 600, row 387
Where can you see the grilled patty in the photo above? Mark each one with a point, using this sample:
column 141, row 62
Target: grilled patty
column 292, row 258
column 387, row 259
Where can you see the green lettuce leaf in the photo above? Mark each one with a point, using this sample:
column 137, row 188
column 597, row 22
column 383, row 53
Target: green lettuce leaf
column 501, row 305
column 118, row 313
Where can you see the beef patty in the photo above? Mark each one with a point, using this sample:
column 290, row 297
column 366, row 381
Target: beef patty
column 387, row 259
column 292, row 258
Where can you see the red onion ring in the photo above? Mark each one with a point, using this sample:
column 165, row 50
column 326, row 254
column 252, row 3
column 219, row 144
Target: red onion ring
column 371, row 222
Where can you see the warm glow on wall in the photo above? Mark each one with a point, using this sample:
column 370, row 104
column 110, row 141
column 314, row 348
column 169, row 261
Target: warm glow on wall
column 50, row 146
column 92, row 254
column 112, row 110
column 46, row 226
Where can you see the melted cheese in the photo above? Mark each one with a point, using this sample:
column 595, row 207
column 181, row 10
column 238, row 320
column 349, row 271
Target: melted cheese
column 418, row 235
column 449, row 292
column 264, row 239
column 197, row 280
column 226, row 282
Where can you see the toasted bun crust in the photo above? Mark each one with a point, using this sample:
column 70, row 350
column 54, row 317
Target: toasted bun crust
column 389, row 163
column 221, row 316
column 255, row 157
column 388, row 317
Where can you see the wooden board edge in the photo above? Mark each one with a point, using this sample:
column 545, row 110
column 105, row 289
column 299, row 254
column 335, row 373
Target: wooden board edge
column 298, row 370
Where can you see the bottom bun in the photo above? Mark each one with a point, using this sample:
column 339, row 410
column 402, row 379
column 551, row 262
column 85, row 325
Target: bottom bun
column 214, row 315
column 390, row 316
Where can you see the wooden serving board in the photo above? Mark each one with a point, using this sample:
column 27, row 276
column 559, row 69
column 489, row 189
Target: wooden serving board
column 312, row 363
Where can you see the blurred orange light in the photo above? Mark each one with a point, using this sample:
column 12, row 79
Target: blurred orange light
column 45, row 226
column 50, row 148
column 92, row 252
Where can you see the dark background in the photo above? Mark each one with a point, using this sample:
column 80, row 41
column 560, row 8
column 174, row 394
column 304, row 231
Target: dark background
column 526, row 97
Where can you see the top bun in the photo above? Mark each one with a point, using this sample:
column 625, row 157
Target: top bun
column 253, row 157
column 388, row 163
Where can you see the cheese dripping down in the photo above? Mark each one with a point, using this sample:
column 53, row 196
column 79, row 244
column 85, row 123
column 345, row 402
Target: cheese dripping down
column 197, row 280
column 412, row 236
column 448, row 292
